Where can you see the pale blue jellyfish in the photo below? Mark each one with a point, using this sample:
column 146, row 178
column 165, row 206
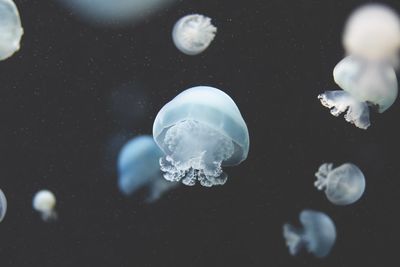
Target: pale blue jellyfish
column 317, row 235
column 365, row 84
column 138, row 167
column 200, row 131
column 44, row 202
column 10, row 29
column 3, row 205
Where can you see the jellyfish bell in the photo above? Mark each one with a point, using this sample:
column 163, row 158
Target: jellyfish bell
column 200, row 131
column 44, row 202
column 343, row 185
column 192, row 34
column 317, row 234
column 373, row 32
column 3, row 205
column 10, row 29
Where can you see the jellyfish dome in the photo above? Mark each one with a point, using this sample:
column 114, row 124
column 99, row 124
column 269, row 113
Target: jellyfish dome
column 317, row 234
column 10, row 29
column 44, row 202
column 192, row 34
column 343, row 185
column 138, row 167
column 200, row 131
column 3, row 205
column 365, row 84
column 373, row 32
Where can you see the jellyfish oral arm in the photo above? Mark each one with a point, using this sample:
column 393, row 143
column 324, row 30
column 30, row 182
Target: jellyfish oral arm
column 294, row 239
column 339, row 101
column 322, row 175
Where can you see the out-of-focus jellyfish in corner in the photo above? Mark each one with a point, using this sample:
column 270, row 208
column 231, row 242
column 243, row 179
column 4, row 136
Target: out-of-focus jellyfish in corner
column 200, row 131
column 343, row 185
column 10, row 29
column 3, row 205
column 192, row 34
column 373, row 33
column 365, row 84
column 317, row 235
column 44, row 202
column 138, row 167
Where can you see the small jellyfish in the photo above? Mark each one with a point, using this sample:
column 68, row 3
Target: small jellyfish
column 10, row 29
column 3, row 205
column 317, row 235
column 365, row 84
column 200, row 131
column 192, row 34
column 343, row 185
column 138, row 167
column 44, row 202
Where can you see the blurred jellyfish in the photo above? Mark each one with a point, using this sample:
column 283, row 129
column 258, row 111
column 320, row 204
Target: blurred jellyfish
column 317, row 235
column 3, row 205
column 44, row 202
column 200, row 130
column 115, row 11
column 343, row 185
column 138, row 167
column 192, row 34
column 373, row 32
column 365, row 84
column 10, row 29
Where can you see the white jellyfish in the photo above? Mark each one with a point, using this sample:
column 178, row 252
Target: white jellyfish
column 200, row 130
column 373, row 32
column 10, row 29
column 44, row 202
column 343, row 185
column 3, row 205
column 192, row 34
column 365, row 84
column 138, row 167
column 317, row 235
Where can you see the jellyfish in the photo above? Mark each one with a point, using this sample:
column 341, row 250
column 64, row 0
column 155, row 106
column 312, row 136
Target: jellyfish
column 192, row 34
column 365, row 84
column 317, row 235
column 343, row 185
column 200, row 131
column 3, row 205
column 44, row 202
column 373, row 32
column 138, row 167
column 10, row 29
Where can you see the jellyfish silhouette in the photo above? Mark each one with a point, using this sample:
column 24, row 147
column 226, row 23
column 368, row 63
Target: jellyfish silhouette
column 365, row 84
column 317, row 235
column 3, row 205
column 192, row 34
column 44, row 202
column 138, row 167
column 10, row 29
column 200, row 131
column 343, row 185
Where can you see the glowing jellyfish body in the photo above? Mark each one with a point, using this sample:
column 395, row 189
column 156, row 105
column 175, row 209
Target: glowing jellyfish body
column 44, row 202
column 317, row 235
column 373, row 32
column 3, row 205
column 138, row 167
column 364, row 84
column 200, row 130
column 10, row 29
column 343, row 185
column 192, row 34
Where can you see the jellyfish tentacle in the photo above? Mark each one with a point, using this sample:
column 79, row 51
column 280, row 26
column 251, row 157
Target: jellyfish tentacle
column 322, row 175
column 294, row 238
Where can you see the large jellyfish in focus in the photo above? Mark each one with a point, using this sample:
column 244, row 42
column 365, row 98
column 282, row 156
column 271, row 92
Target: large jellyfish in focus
column 343, row 185
column 200, row 131
column 192, row 34
column 3, row 205
column 10, row 29
column 138, row 167
column 317, row 235
column 365, row 84
column 44, row 202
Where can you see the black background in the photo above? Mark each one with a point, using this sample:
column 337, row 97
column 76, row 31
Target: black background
column 75, row 92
